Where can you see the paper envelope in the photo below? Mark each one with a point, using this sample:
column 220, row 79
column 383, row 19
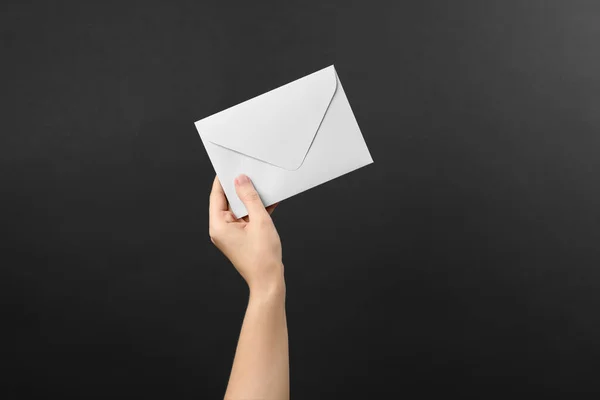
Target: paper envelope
column 288, row 140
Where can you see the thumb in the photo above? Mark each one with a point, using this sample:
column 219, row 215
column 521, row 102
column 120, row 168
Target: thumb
column 249, row 196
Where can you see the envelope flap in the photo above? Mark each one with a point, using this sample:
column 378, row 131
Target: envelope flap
column 277, row 127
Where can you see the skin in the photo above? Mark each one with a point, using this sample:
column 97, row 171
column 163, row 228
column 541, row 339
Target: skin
column 261, row 364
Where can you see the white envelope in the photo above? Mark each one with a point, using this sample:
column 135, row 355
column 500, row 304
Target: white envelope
column 288, row 140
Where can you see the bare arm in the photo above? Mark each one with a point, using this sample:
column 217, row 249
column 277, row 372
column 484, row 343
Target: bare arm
column 260, row 369
column 261, row 365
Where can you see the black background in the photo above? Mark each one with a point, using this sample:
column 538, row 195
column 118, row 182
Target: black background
column 465, row 260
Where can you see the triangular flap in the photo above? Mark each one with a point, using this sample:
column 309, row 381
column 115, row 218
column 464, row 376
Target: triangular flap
column 277, row 127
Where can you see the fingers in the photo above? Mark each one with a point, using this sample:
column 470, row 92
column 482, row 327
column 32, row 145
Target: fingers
column 218, row 201
column 249, row 196
column 271, row 208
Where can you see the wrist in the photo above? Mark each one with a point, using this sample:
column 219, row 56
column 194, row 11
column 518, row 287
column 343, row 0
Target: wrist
column 268, row 287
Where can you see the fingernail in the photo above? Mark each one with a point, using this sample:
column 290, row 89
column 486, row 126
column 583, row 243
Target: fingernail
column 242, row 179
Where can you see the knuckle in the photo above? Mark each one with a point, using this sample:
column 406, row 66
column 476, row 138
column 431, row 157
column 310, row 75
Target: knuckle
column 251, row 196
column 213, row 233
column 264, row 222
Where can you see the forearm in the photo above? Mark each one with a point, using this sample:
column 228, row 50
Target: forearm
column 261, row 365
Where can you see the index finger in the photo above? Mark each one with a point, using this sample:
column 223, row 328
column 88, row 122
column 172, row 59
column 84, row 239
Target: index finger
column 218, row 201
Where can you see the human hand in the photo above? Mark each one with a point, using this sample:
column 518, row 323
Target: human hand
column 251, row 243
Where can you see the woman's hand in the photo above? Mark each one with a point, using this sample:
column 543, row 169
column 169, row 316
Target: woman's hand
column 261, row 365
column 252, row 243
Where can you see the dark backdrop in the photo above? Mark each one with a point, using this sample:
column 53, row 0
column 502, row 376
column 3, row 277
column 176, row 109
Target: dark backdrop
column 465, row 260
